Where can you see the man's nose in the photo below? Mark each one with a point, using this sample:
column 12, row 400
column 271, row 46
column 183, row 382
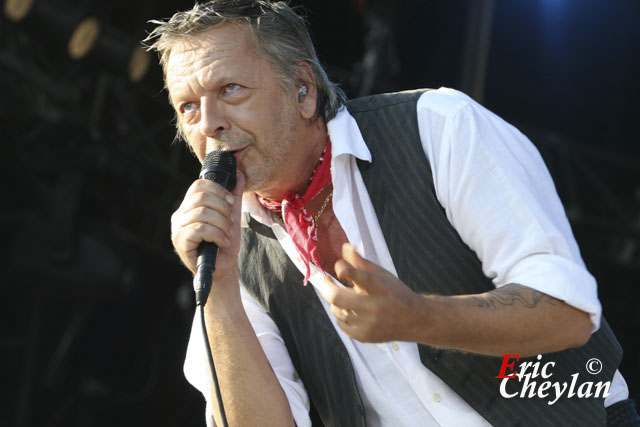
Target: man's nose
column 213, row 118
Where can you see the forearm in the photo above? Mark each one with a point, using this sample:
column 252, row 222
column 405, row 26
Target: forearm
column 513, row 319
column 250, row 390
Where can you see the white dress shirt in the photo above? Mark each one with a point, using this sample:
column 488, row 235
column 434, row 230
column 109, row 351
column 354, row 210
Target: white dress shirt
column 498, row 195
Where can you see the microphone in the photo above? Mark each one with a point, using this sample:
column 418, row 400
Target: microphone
column 219, row 167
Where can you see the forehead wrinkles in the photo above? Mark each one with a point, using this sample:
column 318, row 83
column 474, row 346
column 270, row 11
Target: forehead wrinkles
column 195, row 56
column 186, row 67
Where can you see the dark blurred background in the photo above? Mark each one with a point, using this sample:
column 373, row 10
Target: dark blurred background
column 97, row 309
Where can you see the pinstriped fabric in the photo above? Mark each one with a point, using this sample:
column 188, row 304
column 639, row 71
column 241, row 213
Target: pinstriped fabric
column 433, row 260
column 436, row 248
column 315, row 348
column 436, row 260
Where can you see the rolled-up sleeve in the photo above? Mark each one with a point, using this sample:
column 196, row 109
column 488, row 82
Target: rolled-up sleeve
column 196, row 367
column 499, row 196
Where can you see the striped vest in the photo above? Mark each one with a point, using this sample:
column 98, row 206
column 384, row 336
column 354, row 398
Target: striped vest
column 400, row 185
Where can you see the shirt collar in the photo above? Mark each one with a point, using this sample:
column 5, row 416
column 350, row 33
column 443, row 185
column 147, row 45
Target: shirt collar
column 346, row 139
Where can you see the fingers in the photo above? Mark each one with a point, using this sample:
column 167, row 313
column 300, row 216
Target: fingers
column 350, row 255
column 376, row 308
column 353, row 270
column 338, row 296
column 191, row 235
column 206, row 214
column 344, row 319
column 342, row 314
column 207, row 186
column 205, row 203
column 351, row 277
column 204, row 193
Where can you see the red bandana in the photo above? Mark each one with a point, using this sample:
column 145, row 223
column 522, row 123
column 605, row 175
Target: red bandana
column 299, row 224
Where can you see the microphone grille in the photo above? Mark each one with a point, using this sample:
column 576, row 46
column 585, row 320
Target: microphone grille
column 220, row 167
column 220, row 158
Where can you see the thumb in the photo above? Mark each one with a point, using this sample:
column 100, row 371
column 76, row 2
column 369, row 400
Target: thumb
column 237, row 194
column 240, row 183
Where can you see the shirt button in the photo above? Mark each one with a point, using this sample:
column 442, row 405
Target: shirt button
column 395, row 346
column 436, row 397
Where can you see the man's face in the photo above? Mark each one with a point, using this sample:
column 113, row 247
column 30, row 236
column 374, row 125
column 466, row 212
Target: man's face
column 228, row 98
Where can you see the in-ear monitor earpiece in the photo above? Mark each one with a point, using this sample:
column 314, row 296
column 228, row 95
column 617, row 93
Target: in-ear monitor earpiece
column 302, row 92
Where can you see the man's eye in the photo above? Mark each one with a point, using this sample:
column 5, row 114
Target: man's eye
column 231, row 87
column 188, row 107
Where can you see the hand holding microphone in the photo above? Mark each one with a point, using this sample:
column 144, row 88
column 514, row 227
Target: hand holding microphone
column 219, row 167
column 208, row 219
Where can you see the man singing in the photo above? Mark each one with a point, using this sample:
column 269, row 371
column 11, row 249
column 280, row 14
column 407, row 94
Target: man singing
column 379, row 256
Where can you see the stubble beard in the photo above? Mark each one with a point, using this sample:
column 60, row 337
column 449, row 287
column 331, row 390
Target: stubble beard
column 273, row 155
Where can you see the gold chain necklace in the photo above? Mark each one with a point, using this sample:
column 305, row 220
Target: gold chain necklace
column 322, row 208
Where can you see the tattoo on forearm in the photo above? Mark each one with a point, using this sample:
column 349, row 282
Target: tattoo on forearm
column 509, row 295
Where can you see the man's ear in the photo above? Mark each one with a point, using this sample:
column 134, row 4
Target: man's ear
column 306, row 91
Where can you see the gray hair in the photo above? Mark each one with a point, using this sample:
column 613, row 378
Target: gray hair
column 281, row 37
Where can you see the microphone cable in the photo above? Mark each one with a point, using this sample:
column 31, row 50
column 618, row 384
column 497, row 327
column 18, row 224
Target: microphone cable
column 219, row 167
column 212, row 366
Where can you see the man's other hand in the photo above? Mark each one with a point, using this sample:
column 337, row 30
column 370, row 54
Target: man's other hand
column 374, row 305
